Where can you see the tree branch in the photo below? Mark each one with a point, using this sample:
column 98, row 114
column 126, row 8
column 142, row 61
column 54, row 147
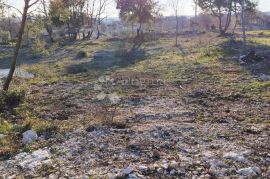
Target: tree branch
column 9, row 6
column 33, row 3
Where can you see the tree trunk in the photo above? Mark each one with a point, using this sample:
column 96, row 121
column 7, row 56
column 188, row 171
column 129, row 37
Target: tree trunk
column 17, row 48
column 243, row 25
column 221, row 30
column 98, row 33
column 69, row 31
column 139, row 31
column 89, row 34
column 49, row 31
column 10, row 34
column 196, row 11
column 236, row 22
column 177, row 30
column 228, row 21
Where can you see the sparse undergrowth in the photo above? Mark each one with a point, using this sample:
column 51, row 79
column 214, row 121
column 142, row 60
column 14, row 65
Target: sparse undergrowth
column 200, row 73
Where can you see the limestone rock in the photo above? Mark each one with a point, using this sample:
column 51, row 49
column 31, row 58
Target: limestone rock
column 249, row 172
column 31, row 161
column 237, row 157
column 128, row 170
column 142, row 168
column 29, row 137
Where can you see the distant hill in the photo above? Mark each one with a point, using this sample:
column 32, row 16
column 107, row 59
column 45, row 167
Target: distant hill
column 111, row 19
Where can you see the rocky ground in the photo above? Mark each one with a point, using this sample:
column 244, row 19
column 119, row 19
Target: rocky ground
column 162, row 139
column 197, row 126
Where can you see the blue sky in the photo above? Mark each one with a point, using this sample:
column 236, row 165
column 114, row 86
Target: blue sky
column 188, row 7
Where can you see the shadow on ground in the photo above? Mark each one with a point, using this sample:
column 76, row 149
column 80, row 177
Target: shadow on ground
column 106, row 60
column 25, row 57
column 258, row 64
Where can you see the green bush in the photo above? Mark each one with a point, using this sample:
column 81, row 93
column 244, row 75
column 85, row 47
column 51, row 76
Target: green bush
column 76, row 69
column 81, row 54
column 5, row 126
column 10, row 100
column 21, row 128
column 5, row 37
column 38, row 47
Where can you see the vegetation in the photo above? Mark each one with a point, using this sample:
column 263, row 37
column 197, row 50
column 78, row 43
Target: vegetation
column 145, row 95
column 137, row 11
column 220, row 8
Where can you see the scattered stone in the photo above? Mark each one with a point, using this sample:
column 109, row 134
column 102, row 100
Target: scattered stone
column 249, row 172
column 127, row 170
column 132, row 176
column 268, row 173
column 156, row 154
column 98, row 149
column 173, row 164
column 237, row 157
column 172, row 172
column 217, row 168
column 165, row 165
column 263, row 77
column 160, row 170
column 253, row 130
column 85, row 177
column 29, row 137
column 143, row 168
column 32, row 161
column 218, row 172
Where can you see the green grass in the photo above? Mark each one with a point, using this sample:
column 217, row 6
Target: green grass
column 196, row 64
column 258, row 32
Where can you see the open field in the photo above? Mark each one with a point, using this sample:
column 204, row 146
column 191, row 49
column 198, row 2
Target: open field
column 199, row 113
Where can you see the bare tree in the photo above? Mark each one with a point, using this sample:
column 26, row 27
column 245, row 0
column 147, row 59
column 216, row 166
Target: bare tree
column 196, row 10
column 47, row 21
column 243, row 25
column 100, row 12
column 27, row 5
column 175, row 5
column 218, row 8
column 91, row 20
column 236, row 14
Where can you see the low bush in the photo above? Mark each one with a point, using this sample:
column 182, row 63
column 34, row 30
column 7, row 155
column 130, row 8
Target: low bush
column 81, row 54
column 10, row 100
column 76, row 69
column 5, row 37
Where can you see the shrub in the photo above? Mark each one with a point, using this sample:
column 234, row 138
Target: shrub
column 5, row 37
column 21, row 128
column 123, row 49
column 38, row 47
column 5, row 127
column 76, row 69
column 10, row 100
column 81, row 54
